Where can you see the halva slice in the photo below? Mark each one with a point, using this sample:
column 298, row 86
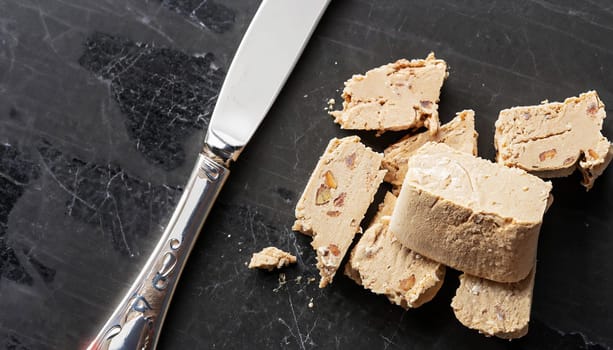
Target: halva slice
column 494, row 308
column 468, row 213
column 335, row 200
column 554, row 139
column 381, row 264
column 459, row 133
column 397, row 96
column 271, row 258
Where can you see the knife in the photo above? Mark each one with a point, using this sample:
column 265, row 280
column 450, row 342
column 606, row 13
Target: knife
column 267, row 54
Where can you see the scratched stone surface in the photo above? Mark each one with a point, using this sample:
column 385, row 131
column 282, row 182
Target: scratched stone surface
column 104, row 105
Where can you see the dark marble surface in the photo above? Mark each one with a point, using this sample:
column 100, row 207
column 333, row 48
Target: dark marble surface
column 103, row 107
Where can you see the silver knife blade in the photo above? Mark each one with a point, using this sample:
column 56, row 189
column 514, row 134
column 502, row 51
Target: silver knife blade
column 265, row 58
column 269, row 50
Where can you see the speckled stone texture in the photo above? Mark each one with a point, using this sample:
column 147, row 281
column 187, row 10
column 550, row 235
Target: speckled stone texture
column 163, row 93
column 103, row 109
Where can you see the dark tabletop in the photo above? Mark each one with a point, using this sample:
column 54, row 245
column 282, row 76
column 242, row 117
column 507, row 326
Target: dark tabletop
column 103, row 108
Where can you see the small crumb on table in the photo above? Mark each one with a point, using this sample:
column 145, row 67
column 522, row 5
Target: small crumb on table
column 271, row 258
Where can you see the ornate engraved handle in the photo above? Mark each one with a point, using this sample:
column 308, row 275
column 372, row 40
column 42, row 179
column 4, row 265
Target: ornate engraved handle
column 137, row 320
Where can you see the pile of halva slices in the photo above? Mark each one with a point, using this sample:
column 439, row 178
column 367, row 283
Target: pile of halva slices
column 447, row 207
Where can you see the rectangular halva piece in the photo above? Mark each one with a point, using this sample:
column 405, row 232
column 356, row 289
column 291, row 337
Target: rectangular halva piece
column 494, row 308
column 335, row 199
column 459, row 133
column 468, row 213
column 396, row 96
column 381, row 264
column 554, row 139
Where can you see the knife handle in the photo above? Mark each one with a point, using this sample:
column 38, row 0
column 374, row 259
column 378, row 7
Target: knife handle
column 137, row 320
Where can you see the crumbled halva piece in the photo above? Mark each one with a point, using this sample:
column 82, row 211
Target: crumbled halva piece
column 459, row 133
column 468, row 213
column 335, row 199
column 494, row 308
column 397, row 96
column 271, row 258
column 381, row 264
column 554, row 139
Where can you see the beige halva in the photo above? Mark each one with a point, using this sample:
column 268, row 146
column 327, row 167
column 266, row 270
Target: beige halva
column 447, row 206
